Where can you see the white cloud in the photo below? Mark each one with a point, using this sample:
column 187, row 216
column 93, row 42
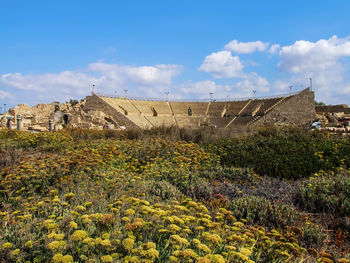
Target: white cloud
column 72, row 84
column 246, row 47
column 274, row 48
column 5, row 95
column 322, row 60
column 306, row 56
column 144, row 75
column 203, row 88
column 243, row 88
column 222, row 65
column 253, row 81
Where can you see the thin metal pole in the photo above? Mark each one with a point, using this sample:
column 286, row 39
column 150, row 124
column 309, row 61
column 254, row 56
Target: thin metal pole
column 311, row 84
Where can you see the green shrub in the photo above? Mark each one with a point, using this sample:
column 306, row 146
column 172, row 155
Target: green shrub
column 259, row 210
column 326, row 193
column 286, row 153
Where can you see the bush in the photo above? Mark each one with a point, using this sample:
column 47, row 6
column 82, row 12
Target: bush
column 286, row 153
column 259, row 210
column 326, row 193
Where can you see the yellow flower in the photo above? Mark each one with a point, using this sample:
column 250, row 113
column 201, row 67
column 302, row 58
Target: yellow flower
column 80, row 208
column 203, row 260
column 153, row 253
column 148, row 245
column 57, row 258
column 67, row 259
column 57, row 245
column 79, row 235
column 238, row 224
column 29, row 244
column 173, row 259
column 105, row 236
column 129, row 212
column 215, row 258
column 89, row 241
column 128, row 243
column 7, row 245
column 73, row 225
column 245, row 251
column 204, row 248
column 214, row 238
column 106, row 258
column 174, row 227
column 180, row 240
column 106, row 243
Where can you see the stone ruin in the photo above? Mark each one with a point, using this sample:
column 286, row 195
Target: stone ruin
column 54, row 116
column 102, row 112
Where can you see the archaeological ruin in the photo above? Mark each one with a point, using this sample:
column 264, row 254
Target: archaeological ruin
column 102, row 112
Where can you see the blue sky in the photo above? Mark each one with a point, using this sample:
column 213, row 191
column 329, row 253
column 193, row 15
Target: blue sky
column 55, row 50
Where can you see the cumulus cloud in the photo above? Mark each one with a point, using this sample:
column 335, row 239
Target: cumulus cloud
column 323, row 60
column 274, row 48
column 203, row 88
column 246, row 47
column 222, row 65
column 144, row 75
column 253, row 81
column 73, row 84
column 313, row 56
column 241, row 89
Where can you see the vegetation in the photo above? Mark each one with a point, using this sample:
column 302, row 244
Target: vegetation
column 172, row 196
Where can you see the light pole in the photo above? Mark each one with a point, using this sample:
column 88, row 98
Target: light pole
column 4, row 108
column 311, row 84
column 93, row 88
column 167, row 95
column 254, row 91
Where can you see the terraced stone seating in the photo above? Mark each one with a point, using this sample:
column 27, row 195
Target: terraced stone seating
column 162, row 121
column 145, row 107
column 251, row 107
column 181, row 108
column 162, row 107
column 218, row 121
column 234, row 107
column 122, row 105
column 216, row 109
column 267, row 104
column 191, row 122
column 242, row 120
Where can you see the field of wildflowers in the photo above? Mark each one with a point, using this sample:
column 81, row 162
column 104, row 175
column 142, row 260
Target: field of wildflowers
column 99, row 196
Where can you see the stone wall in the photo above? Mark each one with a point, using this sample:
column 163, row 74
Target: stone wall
column 297, row 110
column 93, row 102
column 333, row 108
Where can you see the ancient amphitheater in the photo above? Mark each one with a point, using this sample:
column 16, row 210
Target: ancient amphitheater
column 294, row 109
column 98, row 111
